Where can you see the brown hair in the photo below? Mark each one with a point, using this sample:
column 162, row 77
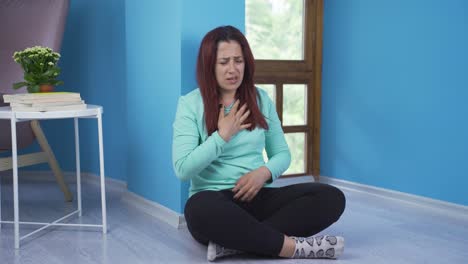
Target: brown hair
column 206, row 78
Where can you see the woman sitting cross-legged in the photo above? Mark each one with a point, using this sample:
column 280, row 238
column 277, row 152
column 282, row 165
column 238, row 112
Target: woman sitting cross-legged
column 220, row 132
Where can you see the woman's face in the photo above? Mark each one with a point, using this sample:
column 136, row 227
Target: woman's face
column 230, row 66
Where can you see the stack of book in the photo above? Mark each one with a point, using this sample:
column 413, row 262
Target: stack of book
column 54, row 101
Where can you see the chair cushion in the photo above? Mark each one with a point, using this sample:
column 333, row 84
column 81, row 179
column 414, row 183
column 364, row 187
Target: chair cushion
column 25, row 135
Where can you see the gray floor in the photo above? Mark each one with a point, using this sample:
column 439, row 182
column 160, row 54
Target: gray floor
column 376, row 230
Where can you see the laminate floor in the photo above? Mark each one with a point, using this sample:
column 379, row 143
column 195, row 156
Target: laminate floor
column 376, row 230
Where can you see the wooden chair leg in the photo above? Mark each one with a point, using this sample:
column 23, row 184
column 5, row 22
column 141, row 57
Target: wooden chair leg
column 41, row 139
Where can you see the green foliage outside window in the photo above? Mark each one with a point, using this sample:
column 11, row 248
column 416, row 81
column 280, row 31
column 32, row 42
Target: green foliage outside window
column 274, row 28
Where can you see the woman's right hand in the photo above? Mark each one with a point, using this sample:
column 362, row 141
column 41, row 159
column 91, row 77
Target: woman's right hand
column 233, row 122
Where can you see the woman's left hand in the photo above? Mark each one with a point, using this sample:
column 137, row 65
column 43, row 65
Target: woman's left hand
column 248, row 185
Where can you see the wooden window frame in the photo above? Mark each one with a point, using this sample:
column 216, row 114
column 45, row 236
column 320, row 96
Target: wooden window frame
column 308, row 72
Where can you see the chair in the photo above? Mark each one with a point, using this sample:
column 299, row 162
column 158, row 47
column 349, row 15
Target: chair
column 27, row 23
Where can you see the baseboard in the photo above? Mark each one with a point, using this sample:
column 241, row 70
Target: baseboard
column 69, row 176
column 446, row 208
column 151, row 208
column 178, row 221
column 94, row 179
column 155, row 209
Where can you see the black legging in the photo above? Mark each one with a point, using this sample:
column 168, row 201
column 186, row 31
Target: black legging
column 259, row 226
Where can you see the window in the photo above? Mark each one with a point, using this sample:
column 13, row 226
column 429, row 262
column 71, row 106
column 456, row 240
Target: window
column 286, row 39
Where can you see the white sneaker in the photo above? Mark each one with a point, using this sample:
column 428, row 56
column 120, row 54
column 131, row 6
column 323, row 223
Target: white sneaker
column 216, row 251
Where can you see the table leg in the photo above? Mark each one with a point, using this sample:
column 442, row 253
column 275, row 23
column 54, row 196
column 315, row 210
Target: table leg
column 78, row 166
column 101, row 163
column 14, row 155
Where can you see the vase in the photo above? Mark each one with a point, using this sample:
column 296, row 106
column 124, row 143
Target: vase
column 46, row 88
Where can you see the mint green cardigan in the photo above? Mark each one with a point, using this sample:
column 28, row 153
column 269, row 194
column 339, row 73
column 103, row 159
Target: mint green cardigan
column 209, row 162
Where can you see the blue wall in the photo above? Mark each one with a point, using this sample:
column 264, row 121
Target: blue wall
column 135, row 58
column 394, row 95
column 162, row 43
column 153, row 72
column 393, row 77
column 93, row 63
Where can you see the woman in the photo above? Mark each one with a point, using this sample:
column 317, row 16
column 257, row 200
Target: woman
column 220, row 131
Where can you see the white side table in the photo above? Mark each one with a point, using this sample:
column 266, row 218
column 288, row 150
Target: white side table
column 92, row 111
